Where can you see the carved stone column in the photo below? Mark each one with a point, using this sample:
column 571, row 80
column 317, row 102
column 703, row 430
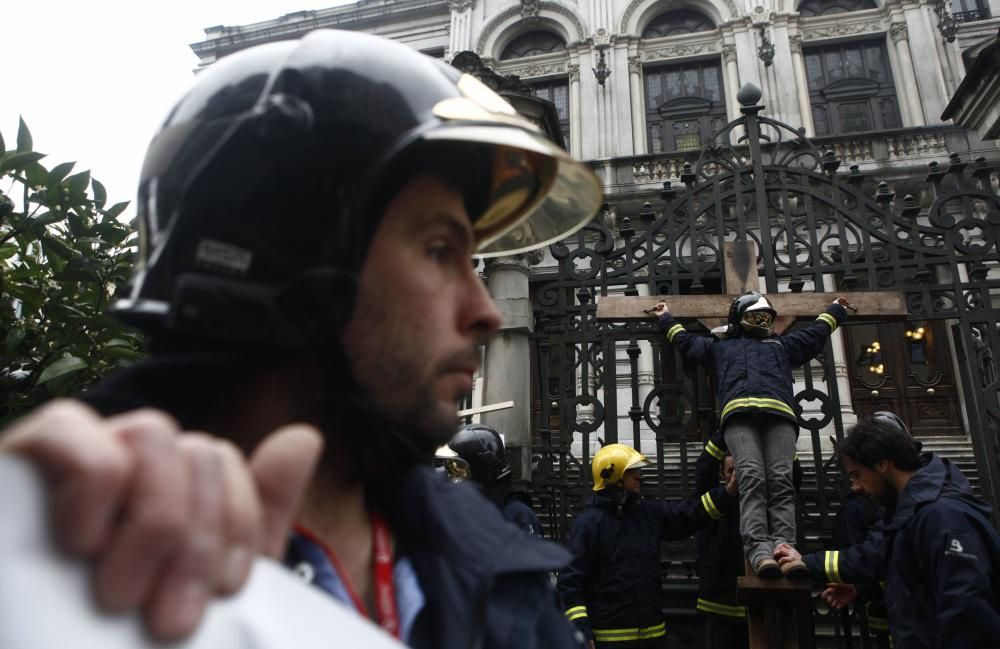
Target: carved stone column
column 507, row 370
column 801, row 87
column 576, row 118
column 900, row 35
column 732, row 74
column 638, row 104
column 461, row 25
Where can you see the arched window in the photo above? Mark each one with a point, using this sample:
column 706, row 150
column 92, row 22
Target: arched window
column 533, row 44
column 827, row 7
column 675, row 23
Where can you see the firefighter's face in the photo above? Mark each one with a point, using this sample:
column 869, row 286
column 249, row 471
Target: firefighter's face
column 632, row 481
column 727, row 468
column 874, row 482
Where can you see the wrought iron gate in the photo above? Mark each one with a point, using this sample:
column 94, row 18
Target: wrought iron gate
column 819, row 228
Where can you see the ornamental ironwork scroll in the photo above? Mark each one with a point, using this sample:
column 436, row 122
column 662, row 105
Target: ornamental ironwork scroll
column 818, row 228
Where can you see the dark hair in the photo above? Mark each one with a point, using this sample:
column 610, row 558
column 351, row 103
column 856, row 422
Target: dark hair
column 871, row 442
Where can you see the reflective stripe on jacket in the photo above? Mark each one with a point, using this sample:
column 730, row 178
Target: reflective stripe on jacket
column 755, row 374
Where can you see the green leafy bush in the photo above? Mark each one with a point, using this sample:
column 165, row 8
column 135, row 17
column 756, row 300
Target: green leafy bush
column 63, row 254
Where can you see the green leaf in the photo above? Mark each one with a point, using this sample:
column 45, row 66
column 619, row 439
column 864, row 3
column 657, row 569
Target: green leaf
column 76, row 225
column 14, row 338
column 37, row 175
column 8, row 250
column 116, row 209
column 19, row 160
column 59, row 172
column 45, row 218
column 78, row 269
column 62, row 367
column 77, row 183
column 100, row 193
column 24, row 142
column 53, row 246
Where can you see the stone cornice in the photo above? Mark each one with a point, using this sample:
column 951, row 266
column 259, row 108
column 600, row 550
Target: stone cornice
column 734, row 13
column 510, row 12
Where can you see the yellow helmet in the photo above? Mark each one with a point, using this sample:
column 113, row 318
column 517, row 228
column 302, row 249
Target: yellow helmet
column 612, row 461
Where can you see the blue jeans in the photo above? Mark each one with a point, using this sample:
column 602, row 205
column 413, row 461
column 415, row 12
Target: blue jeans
column 763, row 446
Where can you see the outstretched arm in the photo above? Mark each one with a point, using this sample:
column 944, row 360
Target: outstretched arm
column 857, row 564
column 706, row 468
column 694, row 347
column 803, row 345
column 682, row 518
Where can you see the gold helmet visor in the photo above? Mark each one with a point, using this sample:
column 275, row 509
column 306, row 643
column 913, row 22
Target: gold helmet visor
column 538, row 193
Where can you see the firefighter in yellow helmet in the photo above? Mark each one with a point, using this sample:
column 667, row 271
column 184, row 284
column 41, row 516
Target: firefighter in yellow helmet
column 613, row 587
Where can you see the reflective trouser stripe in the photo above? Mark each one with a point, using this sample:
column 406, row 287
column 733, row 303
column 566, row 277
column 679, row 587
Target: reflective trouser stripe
column 576, row 612
column 728, row 610
column 673, row 331
column 757, row 402
column 710, row 508
column 714, row 451
column 624, row 635
column 829, row 320
column 831, row 563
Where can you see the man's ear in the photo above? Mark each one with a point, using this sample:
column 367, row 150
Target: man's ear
column 884, row 466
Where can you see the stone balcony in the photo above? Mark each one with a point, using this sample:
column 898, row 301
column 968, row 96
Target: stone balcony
column 886, row 152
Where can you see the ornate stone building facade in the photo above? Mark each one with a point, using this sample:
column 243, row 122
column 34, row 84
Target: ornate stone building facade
column 640, row 85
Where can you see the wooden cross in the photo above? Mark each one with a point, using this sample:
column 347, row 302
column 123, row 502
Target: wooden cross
column 741, row 276
column 503, row 405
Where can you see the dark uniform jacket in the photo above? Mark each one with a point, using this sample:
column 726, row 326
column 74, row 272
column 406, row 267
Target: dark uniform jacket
column 485, row 582
column 939, row 557
column 755, row 374
column 855, row 521
column 613, row 589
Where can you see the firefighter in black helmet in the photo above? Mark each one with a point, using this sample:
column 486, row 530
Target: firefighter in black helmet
column 477, row 453
column 307, row 215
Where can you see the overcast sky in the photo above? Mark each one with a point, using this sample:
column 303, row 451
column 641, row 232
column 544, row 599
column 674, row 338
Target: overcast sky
column 93, row 79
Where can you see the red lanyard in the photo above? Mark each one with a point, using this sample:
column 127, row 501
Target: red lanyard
column 385, row 595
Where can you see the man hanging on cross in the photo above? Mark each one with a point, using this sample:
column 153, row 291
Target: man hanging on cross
column 752, row 367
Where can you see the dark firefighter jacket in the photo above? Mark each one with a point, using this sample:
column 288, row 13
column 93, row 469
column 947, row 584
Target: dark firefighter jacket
column 613, row 588
column 939, row 557
column 485, row 583
column 755, row 374
column 720, row 547
column 855, row 520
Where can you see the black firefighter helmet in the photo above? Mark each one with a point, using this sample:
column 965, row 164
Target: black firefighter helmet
column 262, row 191
column 752, row 313
column 479, row 452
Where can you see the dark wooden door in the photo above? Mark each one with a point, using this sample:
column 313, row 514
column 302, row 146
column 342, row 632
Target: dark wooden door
column 905, row 367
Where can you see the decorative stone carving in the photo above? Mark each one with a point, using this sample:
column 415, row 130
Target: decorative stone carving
column 795, row 43
column 760, row 16
column 458, row 6
column 842, row 29
column 538, row 69
column 674, row 51
column 729, row 52
column 529, row 8
column 510, row 12
column 573, row 71
column 635, row 64
column 899, row 32
column 602, row 37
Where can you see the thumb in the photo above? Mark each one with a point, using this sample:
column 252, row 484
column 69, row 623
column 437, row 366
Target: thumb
column 282, row 467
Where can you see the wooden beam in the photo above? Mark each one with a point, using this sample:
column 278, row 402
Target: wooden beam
column 883, row 304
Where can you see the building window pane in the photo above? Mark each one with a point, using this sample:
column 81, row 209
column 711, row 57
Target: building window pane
column 851, row 88
column 687, row 112
column 827, row 7
column 556, row 91
column 533, row 44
